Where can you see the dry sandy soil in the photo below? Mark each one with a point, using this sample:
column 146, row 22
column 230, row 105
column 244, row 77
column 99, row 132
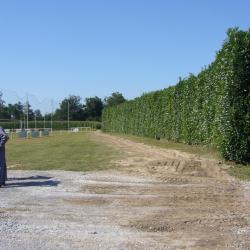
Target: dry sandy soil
column 154, row 199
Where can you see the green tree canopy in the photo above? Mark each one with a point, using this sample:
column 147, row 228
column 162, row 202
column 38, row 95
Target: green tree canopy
column 116, row 98
column 38, row 114
column 16, row 111
column 73, row 103
column 93, row 108
column 1, row 100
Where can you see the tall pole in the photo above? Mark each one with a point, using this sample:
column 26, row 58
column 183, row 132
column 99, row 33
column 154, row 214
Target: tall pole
column 51, row 121
column 35, row 121
column 44, row 121
column 68, row 115
column 27, row 112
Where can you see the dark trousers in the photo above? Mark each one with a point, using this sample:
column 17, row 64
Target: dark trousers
column 3, row 168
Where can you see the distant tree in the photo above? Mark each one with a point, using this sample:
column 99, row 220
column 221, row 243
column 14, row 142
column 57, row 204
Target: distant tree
column 3, row 109
column 4, row 113
column 1, row 100
column 75, row 106
column 16, row 111
column 115, row 99
column 30, row 113
column 47, row 116
column 93, row 108
column 38, row 114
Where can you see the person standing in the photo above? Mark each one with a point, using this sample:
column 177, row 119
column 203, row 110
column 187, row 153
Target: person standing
column 3, row 168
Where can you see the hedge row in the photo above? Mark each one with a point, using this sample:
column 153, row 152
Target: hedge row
column 210, row 108
column 57, row 125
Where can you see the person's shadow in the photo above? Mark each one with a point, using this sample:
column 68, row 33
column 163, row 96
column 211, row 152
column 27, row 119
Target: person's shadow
column 36, row 177
column 32, row 181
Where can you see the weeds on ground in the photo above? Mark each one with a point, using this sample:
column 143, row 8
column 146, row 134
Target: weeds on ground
column 241, row 172
column 201, row 150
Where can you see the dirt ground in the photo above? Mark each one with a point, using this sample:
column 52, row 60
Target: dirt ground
column 153, row 199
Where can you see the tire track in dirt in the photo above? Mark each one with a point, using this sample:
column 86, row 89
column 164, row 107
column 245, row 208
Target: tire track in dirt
column 157, row 161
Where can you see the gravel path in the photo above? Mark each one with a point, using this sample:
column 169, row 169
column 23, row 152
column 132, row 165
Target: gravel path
column 51, row 210
column 156, row 199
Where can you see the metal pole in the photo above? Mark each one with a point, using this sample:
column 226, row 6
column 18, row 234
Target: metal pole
column 27, row 113
column 68, row 115
column 44, row 121
column 35, row 121
column 51, row 121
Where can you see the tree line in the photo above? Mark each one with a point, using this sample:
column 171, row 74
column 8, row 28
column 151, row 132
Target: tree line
column 73, row 106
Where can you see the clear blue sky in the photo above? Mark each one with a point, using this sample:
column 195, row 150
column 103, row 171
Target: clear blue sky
column 53, row 48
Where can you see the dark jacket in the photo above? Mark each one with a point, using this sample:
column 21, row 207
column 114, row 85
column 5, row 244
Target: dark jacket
column 3, row 169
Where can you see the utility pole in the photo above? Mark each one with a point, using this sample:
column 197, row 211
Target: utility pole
column 27, row 107
column 51, row 121
column 68, row 115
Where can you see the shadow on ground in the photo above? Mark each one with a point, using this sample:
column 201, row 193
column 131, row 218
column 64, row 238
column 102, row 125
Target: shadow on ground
column 36, row 177
column 32, row 181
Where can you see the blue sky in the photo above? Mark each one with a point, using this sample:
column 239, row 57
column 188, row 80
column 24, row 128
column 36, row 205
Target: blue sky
column 53, row 48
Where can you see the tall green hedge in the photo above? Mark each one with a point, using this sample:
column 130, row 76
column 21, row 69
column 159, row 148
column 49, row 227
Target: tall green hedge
column 57, row 125
column 210, row 108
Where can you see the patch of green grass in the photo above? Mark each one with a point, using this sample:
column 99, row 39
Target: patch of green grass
column 241, row 172
column 69, row 151
column 202, row 150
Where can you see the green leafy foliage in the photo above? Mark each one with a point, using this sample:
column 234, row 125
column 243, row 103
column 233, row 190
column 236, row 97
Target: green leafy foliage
column 210, row 108
column 73, row 105
column 116, row 98
column 93, row 108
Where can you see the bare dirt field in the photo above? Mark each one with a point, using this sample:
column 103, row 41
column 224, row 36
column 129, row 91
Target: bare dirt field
column 154, row 199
